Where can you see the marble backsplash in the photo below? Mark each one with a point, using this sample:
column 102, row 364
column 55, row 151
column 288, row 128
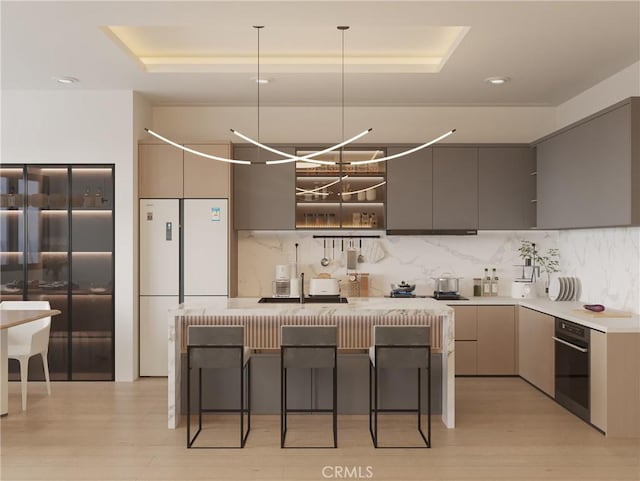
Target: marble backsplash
column 607, row 262
column 414, row 259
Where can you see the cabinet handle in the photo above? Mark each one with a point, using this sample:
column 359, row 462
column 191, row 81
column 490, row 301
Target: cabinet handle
column 534, row 201
column 573, row 346
column 533, row 173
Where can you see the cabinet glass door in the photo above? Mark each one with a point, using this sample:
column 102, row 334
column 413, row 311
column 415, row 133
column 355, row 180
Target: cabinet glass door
column 47, row 246
column 92, row 273
column 12, row 229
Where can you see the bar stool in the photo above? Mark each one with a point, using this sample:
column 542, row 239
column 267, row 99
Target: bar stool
column 400, row 347
column 308, row 347
column 219, row 347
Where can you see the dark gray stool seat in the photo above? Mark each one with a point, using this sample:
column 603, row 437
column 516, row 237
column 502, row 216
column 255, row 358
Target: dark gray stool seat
column 308, row 347
column 400, row 347
column 218, row 347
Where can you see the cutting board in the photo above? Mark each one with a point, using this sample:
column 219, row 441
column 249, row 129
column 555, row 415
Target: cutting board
column 605, row 313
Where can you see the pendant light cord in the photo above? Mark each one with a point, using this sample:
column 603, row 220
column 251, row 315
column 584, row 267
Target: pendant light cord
column 342, row 28
column 343, row 85
column 258, row 28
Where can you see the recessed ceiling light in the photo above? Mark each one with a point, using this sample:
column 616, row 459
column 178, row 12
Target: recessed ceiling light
column 497, row 80
column 66, row 80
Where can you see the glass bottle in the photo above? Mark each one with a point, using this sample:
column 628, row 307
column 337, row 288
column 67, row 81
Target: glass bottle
column 365, row 219
column 373, row 220
column 86, row 200
column 494, row 282
column 486, row 283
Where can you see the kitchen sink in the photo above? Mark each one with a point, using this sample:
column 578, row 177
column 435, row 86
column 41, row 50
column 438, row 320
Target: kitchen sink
column 307, row 300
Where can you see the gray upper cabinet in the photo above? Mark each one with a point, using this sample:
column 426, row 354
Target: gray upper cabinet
column 589, row 172
column 409, row 190
column 506, row 188
column 263, row 194
column 455, row 188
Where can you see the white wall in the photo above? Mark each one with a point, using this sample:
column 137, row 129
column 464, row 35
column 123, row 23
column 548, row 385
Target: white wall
column 142, row 114
column 85, row 127
column 620, row 86
column 323, row 124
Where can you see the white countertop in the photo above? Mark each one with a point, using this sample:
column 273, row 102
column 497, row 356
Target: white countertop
column 567, row 310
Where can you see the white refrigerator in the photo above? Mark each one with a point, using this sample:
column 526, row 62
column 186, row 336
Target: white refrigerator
column 183, row 258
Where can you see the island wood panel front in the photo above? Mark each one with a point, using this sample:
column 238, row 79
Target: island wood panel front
column 354, row 332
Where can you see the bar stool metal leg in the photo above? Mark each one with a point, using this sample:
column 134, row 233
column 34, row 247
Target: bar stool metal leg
column 308, row 347
column 335, row 402
column 219, row 347
column 404, row 347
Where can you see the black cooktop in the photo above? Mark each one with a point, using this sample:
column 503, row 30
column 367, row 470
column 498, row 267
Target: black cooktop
column 402, row 295
column 448, row 296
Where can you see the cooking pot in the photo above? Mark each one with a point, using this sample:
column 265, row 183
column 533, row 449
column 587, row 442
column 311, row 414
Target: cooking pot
column 447, row 283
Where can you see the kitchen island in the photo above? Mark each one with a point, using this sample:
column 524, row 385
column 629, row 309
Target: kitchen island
column 354, row 322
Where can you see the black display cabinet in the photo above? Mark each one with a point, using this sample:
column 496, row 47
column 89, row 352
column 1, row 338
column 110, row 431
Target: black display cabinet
column 57, row 244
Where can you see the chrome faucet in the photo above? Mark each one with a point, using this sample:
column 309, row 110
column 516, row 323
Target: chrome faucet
column 302, row 288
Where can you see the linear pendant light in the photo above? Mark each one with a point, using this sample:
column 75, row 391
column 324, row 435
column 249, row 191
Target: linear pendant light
column 406, row 152
column 196, row 152
column 306, row 158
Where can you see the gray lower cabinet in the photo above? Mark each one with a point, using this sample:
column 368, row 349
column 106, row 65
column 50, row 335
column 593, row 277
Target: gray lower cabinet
column 589, row 172
column 536, row 351
column 263, row 193
column 455, row 188
column 409, row 190
column 506, row 188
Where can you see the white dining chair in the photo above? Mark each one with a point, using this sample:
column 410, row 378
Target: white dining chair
column 28, row 340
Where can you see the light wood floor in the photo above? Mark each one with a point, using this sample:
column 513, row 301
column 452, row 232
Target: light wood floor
column 506, row 430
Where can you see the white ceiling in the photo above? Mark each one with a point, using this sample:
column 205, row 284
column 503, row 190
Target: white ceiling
column 551, row 50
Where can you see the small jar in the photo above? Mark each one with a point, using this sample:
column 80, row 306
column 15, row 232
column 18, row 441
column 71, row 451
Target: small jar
column 362, row 195
column 373, row 220
column 356, row 218
column 371, row 194
column 365, row 220
column 477, row 287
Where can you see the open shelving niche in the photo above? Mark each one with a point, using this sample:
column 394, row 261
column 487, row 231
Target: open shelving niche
column 341, row 196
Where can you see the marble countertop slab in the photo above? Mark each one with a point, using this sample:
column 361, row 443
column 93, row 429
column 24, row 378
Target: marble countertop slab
column 379, row 306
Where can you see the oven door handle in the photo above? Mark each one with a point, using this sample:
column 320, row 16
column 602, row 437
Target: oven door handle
column 577, row 348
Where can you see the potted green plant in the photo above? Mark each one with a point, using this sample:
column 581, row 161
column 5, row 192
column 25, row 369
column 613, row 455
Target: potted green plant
column 527, row 251
column 548, row 263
